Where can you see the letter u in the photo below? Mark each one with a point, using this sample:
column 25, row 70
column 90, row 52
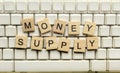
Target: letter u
column 36, row 43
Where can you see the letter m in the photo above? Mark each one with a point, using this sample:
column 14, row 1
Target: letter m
column 27, row 26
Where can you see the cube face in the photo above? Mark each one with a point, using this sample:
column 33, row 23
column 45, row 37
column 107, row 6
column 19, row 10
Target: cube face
column 99, row 19
column 69, row 7
column 15, row 19
column 79, row 45
column 28, row 25
column 10, row 29
column 9, row 6
column 114, row 31
column 93, row 6
column 37, row 43
column 21, row 42
column 104, row 31
column 51, row 43
column 44, row 26
column 110, row 19
column 59, row 26
column 45, row 7
column 57, row 6
column 86, row 17
column 89, row 28
column 8, row 54
column 92, row 43
column 105, row 7
column 33, row 7
column 116, row 42
column 21, row 7
column 107, row 42
column 64, row 44
column 74, row 28
column 2, row 32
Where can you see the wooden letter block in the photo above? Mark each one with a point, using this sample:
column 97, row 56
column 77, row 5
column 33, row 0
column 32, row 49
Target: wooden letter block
column 51, row 43
column 74, row 28
column 64, row 44
column 28, row 25
column 79, row 45
column 37, row 43
column 92, row 43
column 89, row 28
column 59, row 26
column 44, row 26
column 21, row 41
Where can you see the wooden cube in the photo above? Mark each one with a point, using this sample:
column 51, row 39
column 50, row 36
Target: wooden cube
column 28, row 25
column 21, row 41
column 74, row 28
column 59, row 26
column 37, row 43
column 44, row 26
column 89, row 28
column 79, row 45
column 92, row 43
column 51, row 43
column 64, row 44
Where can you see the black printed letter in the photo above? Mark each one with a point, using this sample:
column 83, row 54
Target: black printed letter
column 36, row 44
column 89, row 27
column 63, row 44
column 20, row 41
column 50, row 42
column 92, row 42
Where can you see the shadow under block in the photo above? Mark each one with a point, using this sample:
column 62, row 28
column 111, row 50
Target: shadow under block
column 37, row 43
column 21, row 41
column 28, row 25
